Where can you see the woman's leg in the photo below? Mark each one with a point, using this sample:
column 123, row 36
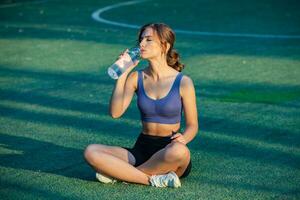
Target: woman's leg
column 116, row 162
column 174, row 157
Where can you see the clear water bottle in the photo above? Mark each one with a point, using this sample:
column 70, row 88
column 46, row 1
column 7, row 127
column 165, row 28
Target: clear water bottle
column 127, row 60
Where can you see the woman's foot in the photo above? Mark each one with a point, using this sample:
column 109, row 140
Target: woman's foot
column 165, row 180
column 105, row 179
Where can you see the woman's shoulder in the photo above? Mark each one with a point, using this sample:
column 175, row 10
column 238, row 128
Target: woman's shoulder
column 132, row 79
column 186, row 83
column 186, row 80
column 133, row 75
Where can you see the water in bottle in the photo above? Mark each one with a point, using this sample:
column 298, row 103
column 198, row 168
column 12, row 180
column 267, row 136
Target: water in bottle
column 127, row 60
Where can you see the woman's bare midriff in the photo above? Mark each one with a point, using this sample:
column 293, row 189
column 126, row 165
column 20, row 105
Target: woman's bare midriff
column 156, row 129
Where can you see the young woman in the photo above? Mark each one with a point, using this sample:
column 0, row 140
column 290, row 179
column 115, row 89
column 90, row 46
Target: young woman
column 160, row 154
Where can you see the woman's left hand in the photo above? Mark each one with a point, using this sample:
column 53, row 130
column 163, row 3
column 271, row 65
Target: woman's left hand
column 178, row 137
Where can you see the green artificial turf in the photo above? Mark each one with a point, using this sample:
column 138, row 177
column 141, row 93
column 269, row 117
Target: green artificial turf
column 54, row 95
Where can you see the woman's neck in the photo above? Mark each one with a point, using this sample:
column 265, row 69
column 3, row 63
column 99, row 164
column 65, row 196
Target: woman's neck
column 158, row 68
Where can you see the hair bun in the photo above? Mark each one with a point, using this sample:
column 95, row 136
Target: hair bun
column 173, row 60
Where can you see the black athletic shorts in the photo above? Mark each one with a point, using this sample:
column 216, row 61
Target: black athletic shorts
column 147, row 145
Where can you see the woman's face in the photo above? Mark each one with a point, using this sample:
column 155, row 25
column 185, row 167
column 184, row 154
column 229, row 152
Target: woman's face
column 149, row 44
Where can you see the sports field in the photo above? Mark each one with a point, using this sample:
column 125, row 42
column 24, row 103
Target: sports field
column 244, row 59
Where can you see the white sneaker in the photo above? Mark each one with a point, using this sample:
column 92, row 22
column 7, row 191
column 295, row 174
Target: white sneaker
column 165, row 180
column 104, row 179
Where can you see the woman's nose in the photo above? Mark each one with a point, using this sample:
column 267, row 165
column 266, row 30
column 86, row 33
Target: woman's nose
column 142, row 44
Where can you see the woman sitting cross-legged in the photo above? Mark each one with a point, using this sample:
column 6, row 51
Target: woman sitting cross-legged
column 160, row 155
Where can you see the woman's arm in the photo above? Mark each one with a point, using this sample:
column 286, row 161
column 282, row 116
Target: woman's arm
column 188, row 95
column 123, row 92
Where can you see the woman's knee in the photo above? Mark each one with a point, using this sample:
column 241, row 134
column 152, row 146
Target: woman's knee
column 177, row 151
column 91, row 151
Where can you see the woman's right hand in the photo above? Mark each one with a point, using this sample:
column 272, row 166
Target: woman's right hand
column 124, row 55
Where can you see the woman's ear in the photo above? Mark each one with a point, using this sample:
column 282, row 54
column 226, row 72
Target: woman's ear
column 167, row 47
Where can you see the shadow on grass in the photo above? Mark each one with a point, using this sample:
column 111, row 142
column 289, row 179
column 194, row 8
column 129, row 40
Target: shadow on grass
column 208, row 145
column 49, row 81
column 53, row 102
column 244, row 151
column 254, row 132
column 258, row 93
column 280, row 193
column 18, row 190
column 54, row 76
column 45, row 157
column 80, row 123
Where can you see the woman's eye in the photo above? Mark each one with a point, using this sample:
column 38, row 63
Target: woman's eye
column 149, row 40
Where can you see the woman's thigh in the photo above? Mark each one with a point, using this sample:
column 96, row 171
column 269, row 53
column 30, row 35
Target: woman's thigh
column 116, row 151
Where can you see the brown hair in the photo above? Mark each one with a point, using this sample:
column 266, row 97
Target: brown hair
column 165, row 35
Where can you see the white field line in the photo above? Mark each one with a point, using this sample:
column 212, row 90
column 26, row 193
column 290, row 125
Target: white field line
column 97, row 16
